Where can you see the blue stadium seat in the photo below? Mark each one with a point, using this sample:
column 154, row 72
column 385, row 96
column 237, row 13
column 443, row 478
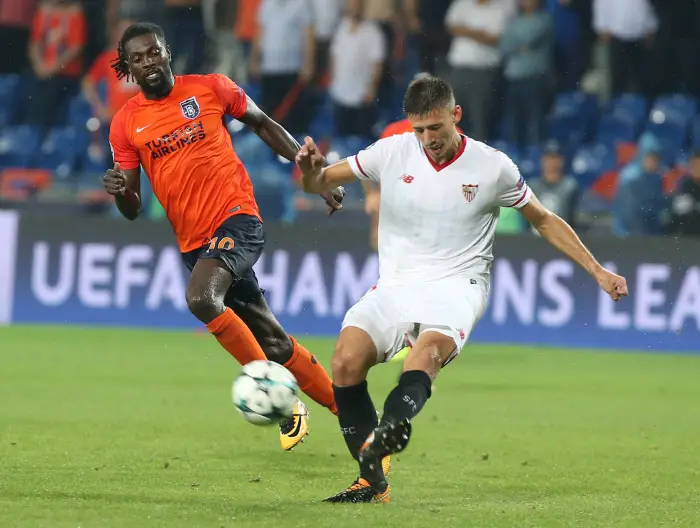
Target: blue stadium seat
column 572, row 118
column 13, row 95
column 250, row 148
column 273, row 189
column 592, row 161
column 674, row 108
column 19, row 146
column 530, row 162
column 695, row 132
column 614, row 129
column 79, row 111
column 508, row 148
column 672, row 136
column 629, row 107
column 342, row 147
column 62, row 150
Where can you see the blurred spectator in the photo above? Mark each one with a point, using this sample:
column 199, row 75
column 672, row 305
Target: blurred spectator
column 391, row 16
column 184, row 23
column 117, row 92
column 433, row 41
column 685, row 205
column 55, row 51
column 628, row 28
column 527, row 46
column 246, row 28
column 15, row 24
column 357, row 56
column 475, row 59
column 327, row 14
column 557, row 191
column 570, row 41
column 640, row 202
column 284, row 58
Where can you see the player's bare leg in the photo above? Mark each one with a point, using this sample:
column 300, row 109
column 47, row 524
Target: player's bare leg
column 285, row 350
column 421, row 367
column 355, row 353
column 208, row 284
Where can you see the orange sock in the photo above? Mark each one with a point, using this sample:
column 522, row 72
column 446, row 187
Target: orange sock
column 233, row 334
column 312, row 377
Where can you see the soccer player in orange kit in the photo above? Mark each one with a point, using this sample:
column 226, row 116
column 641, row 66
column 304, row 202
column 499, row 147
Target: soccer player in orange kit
column 174, row 128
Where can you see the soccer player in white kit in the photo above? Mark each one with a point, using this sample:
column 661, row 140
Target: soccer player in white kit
column 440, row 201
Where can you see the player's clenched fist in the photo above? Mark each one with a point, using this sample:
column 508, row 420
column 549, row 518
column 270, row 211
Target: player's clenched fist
column 613, row 284
column 114, row 181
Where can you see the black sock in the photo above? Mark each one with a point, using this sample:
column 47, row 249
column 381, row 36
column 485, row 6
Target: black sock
column 356, row 414
column 408, row 397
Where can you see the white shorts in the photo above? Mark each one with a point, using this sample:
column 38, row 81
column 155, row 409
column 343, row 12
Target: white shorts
column 394, row 316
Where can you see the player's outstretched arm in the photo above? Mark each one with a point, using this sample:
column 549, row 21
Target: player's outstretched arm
column 284, row 144
column 315, row 178
column 560, row 234
column 125, row 186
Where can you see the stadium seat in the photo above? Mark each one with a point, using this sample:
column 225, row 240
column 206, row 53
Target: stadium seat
column 508, row 148
column 592, row 161
column 530, row 162
column 273, row 190
column 673, row 138
column 12, row 94
column 629, row 107
column 19, row 145
column 676, row 108
column 79, row 111
column 61, row 150
column 614, row 129
column 572, row 118
column 250, row 148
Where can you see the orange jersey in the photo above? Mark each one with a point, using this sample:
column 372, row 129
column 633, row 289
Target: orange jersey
column 55, row 30
column 401, row 127
column 185, row 149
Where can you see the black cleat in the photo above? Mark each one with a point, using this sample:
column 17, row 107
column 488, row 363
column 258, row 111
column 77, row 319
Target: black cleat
column 360, row 492
column 388, row 438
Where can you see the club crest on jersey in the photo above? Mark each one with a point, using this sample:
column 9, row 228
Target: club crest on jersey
column 190, row 108
column 469, row 191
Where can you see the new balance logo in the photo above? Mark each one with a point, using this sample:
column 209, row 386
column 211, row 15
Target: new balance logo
column 406, row 178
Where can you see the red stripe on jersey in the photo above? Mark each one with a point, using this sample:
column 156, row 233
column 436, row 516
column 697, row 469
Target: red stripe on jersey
column 520, row 199
column 357, row 160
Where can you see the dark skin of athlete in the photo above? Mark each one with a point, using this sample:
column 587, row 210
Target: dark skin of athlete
column 210, row 280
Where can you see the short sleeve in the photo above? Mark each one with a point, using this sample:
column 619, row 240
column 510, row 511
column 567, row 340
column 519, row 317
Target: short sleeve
column 233, row 99
column 512, row 190
column 123, row 152
column 368, row 164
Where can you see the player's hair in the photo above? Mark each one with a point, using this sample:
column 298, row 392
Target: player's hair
column 426, row 94
column 120, row 65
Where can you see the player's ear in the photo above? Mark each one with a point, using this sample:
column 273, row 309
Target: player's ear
column 457, row 114
column 168, row 53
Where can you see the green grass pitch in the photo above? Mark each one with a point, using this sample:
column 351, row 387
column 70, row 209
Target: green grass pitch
column 120, row 428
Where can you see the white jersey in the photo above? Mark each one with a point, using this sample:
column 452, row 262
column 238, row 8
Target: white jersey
column 438, row 222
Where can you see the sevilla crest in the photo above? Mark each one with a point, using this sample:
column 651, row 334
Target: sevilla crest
column 469, row 191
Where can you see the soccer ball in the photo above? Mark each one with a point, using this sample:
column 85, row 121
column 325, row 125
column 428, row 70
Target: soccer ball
column 265, row 392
